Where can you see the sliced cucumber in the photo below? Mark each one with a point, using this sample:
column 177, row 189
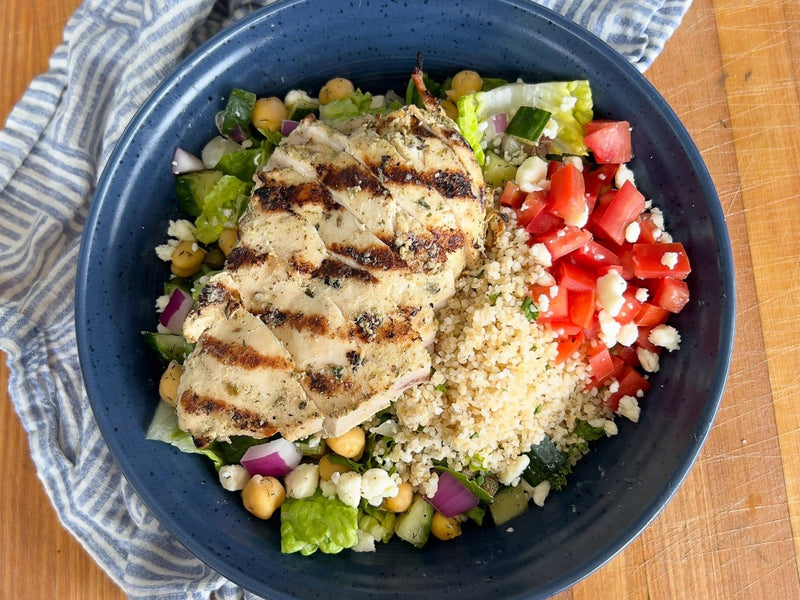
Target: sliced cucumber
column 191, row 190
column 414, row 525
column 168, row 346
column 508, row 503
column 497, row 171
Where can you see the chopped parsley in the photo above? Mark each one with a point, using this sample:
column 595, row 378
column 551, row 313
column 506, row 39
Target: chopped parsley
column 441, row 388
column 529, row 309
column 493, row 298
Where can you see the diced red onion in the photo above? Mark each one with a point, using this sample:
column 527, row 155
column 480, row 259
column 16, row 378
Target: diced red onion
column 499, row 122
column 184, row 161
column 275, row 458
column 451, row 497
column 179, row 305
column 238, row 134
column 288, row 126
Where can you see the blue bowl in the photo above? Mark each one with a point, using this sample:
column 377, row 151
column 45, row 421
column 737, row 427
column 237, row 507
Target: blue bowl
column 614, row 493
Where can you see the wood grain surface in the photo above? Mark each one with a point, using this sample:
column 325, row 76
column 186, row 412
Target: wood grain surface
column 731, row 73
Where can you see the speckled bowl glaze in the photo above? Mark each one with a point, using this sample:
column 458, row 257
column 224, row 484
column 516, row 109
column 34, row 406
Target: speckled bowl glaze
column 614, row 493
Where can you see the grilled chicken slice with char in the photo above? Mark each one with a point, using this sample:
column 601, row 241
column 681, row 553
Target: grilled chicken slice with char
column 338, row 269
column 240, row 381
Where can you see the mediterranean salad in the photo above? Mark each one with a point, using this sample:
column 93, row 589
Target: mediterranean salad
column 554, row 323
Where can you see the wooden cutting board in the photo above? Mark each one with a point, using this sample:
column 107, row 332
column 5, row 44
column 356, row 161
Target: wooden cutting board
column 731, row 73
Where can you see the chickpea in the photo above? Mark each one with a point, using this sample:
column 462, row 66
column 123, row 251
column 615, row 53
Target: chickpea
column 228, row 239
column 168, row 386
column 464, row 82
column 445, row 528
column 269, row 113
column 336, row 89
column 450, row 108
column 328, row 468
column 400, row 502
column 262, row 496
column 187, row 258
column 350, row 444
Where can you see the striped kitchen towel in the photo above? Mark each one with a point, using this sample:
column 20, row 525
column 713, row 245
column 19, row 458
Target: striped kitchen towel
column 52, row 150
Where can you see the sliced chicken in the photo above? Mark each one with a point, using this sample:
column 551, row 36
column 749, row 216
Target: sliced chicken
column 240, row 381
column 348, row 244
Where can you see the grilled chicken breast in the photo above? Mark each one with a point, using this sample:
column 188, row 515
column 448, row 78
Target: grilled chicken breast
column 324, row 312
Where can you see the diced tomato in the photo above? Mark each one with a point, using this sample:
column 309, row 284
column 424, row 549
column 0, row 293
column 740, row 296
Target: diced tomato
column 574, row 278
column 598, row 210
column 630, row 308
column 671, row 294
column 582, row 308
column 597, row 124
column 553, row 166
column 542, row 223
column 628, row 355
column 533, row 203
column 651, row 315
column 593, row 255
column 600, row 361
column 558, row 305
column 512, row 195
column 597, row 182
column 567, row 195
column 627, row 205
column 631, row 383
column 647, row 229
column 648, row 261
column 644, row 342
column 564, row 327
column 609, row 141
column 564, row 240
column 567, row 346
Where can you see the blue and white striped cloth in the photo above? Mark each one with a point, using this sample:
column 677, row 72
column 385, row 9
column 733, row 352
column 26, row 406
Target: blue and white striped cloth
column 52, row 150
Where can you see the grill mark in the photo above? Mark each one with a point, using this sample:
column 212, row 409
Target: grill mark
column 448, row 184
column 372, row 328
column 216, row 293
column 277, row 196
column 332, row 271
column 242, row 356
column 328, row 384
column 243, row 256
column 245, row 420
column 351, row 176
column 299, row 321
column 372, row 257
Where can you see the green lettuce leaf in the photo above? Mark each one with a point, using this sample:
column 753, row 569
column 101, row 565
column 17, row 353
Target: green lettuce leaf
column 317, row 523
column 356, row 104
column 221, row 208
column 164, row 428
column 570, row 103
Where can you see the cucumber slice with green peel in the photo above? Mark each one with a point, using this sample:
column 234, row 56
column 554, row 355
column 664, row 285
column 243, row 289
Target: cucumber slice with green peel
column 168, row 346
column 414, row 525
column 191, row 190
column 508, row 503
column 528, row 123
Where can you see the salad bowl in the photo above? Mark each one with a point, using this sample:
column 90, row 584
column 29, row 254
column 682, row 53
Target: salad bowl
column 614, row 493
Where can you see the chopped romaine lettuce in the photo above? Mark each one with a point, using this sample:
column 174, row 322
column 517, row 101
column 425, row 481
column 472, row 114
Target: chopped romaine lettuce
column 317, row 522
column 356, row 104
column 241, row 164
column 164, row 428
column 222, row 208
column 570, row 103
